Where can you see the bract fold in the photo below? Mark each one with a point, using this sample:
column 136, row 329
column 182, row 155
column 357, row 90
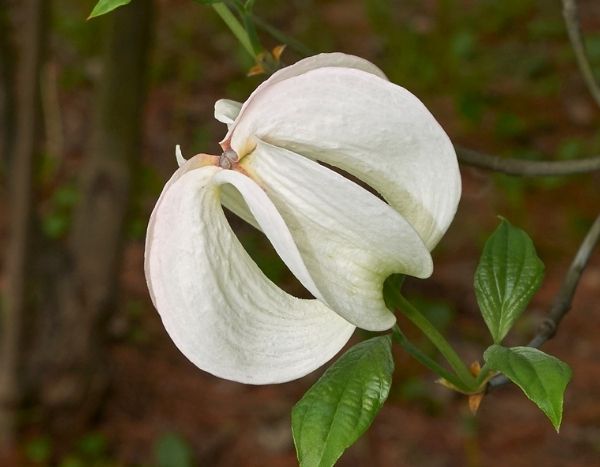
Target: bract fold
column 361, row 123
column 226, row 111
column 349, row 239
column 216, row 304
column 271, row 224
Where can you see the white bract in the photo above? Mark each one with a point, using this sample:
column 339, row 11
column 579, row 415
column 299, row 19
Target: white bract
column 340, row 240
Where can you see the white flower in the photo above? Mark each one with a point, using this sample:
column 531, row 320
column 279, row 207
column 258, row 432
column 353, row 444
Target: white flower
column 338, row 239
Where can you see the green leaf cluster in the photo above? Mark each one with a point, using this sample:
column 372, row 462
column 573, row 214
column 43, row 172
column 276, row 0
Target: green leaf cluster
column 508, row 275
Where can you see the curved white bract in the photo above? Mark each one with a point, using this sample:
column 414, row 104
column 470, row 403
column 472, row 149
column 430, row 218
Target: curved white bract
column 226, row 111
column 332, row 60
column 340, row 240
column 367, row 126
column 342, row 231
column 216, row 304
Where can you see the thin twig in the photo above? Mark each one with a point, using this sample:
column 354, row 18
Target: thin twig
column 527, row 168
column 564, row 298
column 572, row 22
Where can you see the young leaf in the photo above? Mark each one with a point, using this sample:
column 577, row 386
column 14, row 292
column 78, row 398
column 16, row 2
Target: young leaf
column 341, row 405
column 106, row 6
column 508, row 274
column 542, row 377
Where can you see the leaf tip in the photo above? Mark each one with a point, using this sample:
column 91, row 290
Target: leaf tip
column 557, row 428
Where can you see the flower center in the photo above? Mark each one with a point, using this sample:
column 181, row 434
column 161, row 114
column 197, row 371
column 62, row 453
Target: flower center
column 228, row 159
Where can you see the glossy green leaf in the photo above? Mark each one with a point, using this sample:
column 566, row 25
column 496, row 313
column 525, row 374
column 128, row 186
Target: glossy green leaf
column 508, row 274
column 106, row 6
column 542, row 377
column 341, row 405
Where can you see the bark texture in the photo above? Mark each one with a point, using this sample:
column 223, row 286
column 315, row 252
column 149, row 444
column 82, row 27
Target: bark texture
column 58, row 299
column 16, row 314
column 69, row 364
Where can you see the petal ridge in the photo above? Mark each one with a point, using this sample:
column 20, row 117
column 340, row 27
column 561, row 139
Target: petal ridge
column 369, row 127
column 349, row 239
column 330, row 60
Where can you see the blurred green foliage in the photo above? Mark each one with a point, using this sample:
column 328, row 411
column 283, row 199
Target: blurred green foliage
column 56, row 218
column 39, row 449
column 90, row 450
column 172, row 450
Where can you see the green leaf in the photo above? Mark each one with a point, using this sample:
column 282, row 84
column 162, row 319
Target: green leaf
column 508, row 274
column 542, row 377
column 341, row 405
column 106, row 6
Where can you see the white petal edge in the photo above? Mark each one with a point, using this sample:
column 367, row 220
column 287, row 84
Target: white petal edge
column 179, row 156
column 332, row 60
column 252, row 204
column 226, row 111
column 272, row 225
column 234, row 202
column 349, row 239
column 199, row 160
column 217, row 306
column 369, row 127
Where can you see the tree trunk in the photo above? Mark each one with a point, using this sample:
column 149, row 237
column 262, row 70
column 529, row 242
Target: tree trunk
column 7, row 81
column 71, row 340
column 15, row 318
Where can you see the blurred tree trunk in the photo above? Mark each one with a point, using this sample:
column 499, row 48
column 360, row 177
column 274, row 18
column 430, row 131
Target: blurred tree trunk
column 70, row 361
column 15, row 316
column 7, row 100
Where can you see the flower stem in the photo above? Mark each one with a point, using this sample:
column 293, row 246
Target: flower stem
column 436, row 338
column 425, row 360
column 235, row 26
column 484, row 375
